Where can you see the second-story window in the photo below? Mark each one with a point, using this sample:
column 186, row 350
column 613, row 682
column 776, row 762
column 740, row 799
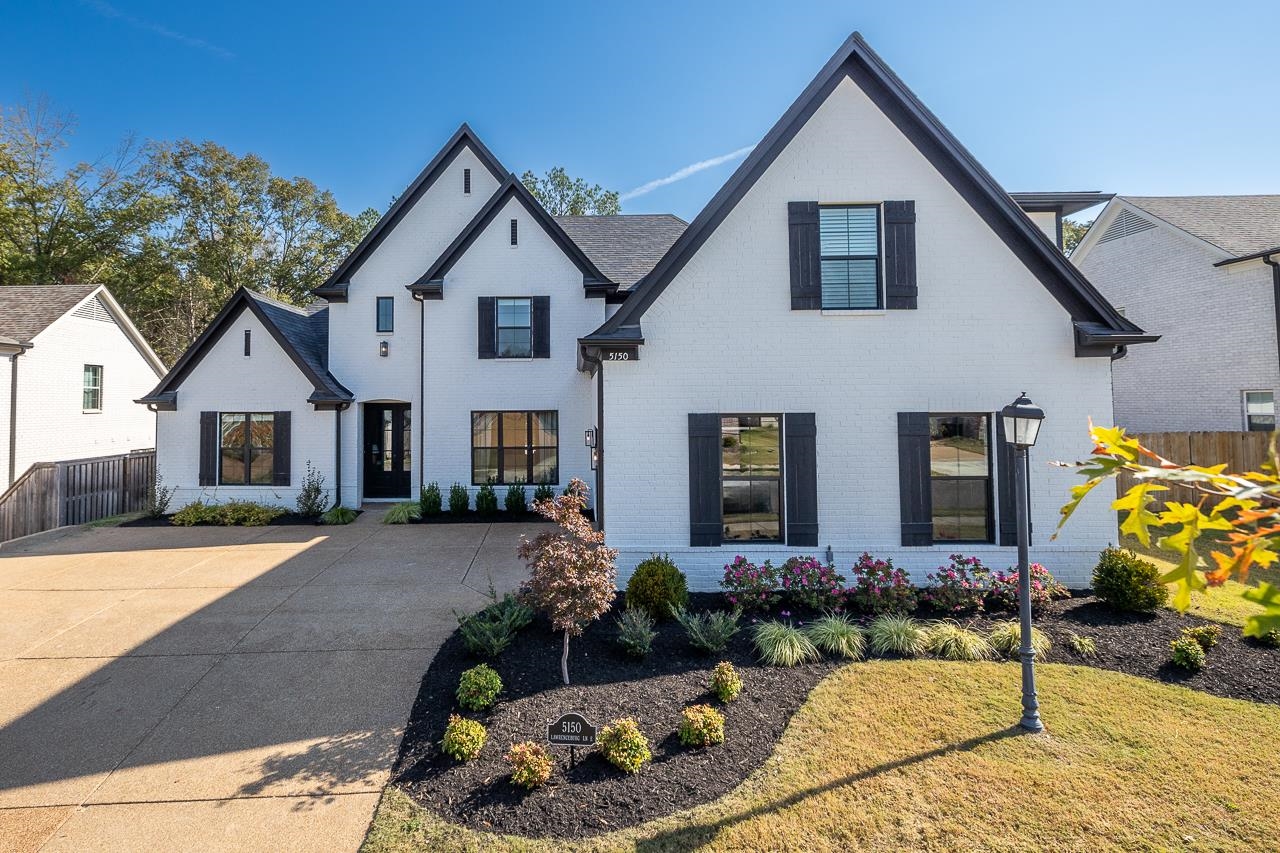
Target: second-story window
column 849, row 236
column 515, row 328
column 515, row 234
column 386, row 314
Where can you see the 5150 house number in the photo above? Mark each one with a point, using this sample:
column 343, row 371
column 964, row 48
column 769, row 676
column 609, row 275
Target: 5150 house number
column 621, row 354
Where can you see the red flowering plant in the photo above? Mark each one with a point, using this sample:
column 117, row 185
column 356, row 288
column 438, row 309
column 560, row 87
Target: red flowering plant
column 959, row 587
column 810, row 583
column 749, row 586
column 1002, row 589
column 878, row 587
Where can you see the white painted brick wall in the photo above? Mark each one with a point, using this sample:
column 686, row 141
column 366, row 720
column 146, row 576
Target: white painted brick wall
column 1217, row 326
column 722, row 338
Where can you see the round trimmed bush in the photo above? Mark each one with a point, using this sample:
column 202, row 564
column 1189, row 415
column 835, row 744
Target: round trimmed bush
column 531, row 764
column 624, row 745
column 701, row 726
column 463, row 738
column 1127, row 582
column 1187, row 653
column 656, row 586
column 726, row 684
column 478, row 688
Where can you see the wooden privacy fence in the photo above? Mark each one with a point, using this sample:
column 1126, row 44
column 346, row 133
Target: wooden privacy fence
column 76, row 491
column 1240, row 451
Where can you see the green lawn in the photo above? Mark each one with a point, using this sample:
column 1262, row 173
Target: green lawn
column 891, row 755
column 1220, row 604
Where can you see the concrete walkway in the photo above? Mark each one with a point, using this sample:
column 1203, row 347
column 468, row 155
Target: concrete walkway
column 221, row 688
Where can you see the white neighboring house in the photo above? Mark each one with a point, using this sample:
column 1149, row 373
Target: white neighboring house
column 812, row 366
column 75, row 364
column 1205, row 271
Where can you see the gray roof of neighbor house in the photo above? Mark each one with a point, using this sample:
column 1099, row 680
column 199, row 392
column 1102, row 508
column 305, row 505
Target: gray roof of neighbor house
column 625, row 247
column 27, row 310
column 1238, row 224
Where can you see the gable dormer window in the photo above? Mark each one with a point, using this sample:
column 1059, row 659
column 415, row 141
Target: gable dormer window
column 849, row 237
column 466, row 182
column 514, row 234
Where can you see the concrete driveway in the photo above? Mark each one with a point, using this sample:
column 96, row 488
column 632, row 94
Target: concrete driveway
column 221, row 688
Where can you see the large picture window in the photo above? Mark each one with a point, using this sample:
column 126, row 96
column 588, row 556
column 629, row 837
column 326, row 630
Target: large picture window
column 960, row 477
column 246, row 448
column 515, row 447
column 515, row 328
column 849, row 236
column 750, row 477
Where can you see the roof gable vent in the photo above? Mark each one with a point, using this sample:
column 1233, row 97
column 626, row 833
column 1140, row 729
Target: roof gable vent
column 93, row 309
column 1126, row 224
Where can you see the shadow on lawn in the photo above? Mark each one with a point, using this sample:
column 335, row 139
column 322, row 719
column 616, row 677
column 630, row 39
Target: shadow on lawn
column 688, row 837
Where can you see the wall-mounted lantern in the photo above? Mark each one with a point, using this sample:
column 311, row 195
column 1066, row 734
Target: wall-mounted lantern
column 590, row 436
column 383, row 348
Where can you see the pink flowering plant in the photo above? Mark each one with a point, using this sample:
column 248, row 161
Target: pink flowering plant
column 807, row 582
column 959, row 587
column 878, row 587
column 749, row 586
column 1002, row 589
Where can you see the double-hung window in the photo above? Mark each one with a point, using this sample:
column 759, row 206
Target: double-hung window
column 960, row 477
column 849, row 237
column 246, row 448
column 750, row 477
column 515, row 447
column 515, row 328
column 91, row 399
column 1259, row 411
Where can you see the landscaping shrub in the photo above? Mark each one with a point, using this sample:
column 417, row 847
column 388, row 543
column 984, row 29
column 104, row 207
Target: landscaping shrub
column 312, row 498
column 196, row 512
column 402, row 513
column 1270, row 638
column 1006, row 638
column 486, row 500
column 459, row 499
column 949, row 641
column 158, row 498
column 959, row 587
column 339, row 515
column 749, row 586
column 624, row 745
column 515, row 500
column 635, row 632
column 463, row 738
column 1186, row 653
column 880, row 588
column 836, row 634
column 1002, row 589
column 897, row 635
column 1083, row 646
column 544, row 492
column 701, row 726
column 488, row 632
column 230, row 514
column 430, row 501
column 1206, row 635
column 478, row 688
column 725, row 683
column 531, row 764
column 656, row 586
column 780, row 644
column 710, row 631
column 1127, row 582
column 810, row 583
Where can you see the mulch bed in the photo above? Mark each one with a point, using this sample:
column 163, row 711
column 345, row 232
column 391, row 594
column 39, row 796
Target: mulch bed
column 593, row 797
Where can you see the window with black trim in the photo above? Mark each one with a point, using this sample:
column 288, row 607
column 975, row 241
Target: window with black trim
column 849, row 237
column 466, row 181
column 1259, row 411
column 91, row 400
column 514, row 231
column 515, row 447
column 386, row 314
column 751, row 477
column 248, row 342
column 515, row 328
column 960, row 478
column 246, row 448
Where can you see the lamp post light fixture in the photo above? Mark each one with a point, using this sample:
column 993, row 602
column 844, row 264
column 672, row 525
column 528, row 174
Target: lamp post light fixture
column 1022, row 420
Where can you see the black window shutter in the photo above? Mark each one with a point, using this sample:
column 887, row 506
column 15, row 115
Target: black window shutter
column 914, row 487
column 705, row 524
column 900, row 254
column 800, row 461
column 208, row 448
column 806, row 255
column 282, row 449
column 1006, row 487
column 542, row 327
column 487, row 332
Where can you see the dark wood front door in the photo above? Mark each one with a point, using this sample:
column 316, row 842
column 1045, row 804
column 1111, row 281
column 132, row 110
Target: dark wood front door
column 386, row 450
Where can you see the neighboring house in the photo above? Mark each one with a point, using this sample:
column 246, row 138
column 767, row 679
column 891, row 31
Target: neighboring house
column 1205, row 271
column 75, row 363
column 813, row 365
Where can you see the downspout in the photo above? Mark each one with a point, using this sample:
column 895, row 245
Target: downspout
column 1275, row 289
column 337, row 452
column 600, row 445
column 422, row 393
column 13, row 416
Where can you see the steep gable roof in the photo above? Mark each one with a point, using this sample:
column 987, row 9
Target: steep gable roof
column 335, row 286
column 1238, row 224
column 302, row 334
column 626, row 246
column 432, row 280
column 856, row 61
column 27, row 310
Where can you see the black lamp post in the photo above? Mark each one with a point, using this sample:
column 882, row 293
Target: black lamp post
column 1022, row 420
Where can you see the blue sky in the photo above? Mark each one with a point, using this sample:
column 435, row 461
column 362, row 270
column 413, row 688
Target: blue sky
column 1159, row 98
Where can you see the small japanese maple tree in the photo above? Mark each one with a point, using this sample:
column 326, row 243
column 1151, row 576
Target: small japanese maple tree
column 572, row 574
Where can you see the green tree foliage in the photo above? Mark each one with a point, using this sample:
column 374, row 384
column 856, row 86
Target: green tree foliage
column 1072, row 233
column 562, row 195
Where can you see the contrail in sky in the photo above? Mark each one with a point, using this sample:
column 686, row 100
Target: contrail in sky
column 691, row 169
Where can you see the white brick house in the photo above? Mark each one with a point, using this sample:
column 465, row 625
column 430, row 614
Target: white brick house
column 71, row 365
column 814, row 363
column 1205, row 271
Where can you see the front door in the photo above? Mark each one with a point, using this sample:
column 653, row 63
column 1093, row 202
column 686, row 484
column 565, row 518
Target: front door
column 386, row 450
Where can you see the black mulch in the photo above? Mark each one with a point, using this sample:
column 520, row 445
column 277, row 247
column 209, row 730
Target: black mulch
column 594, row 797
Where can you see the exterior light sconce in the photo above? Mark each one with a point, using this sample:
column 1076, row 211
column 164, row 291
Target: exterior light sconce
column 383, row 348
column 590, row 437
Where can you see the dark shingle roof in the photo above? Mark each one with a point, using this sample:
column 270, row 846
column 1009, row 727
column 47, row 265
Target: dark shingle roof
column 27, row 310
column 1239, row 224
column 306, row 330
column 627, row 246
